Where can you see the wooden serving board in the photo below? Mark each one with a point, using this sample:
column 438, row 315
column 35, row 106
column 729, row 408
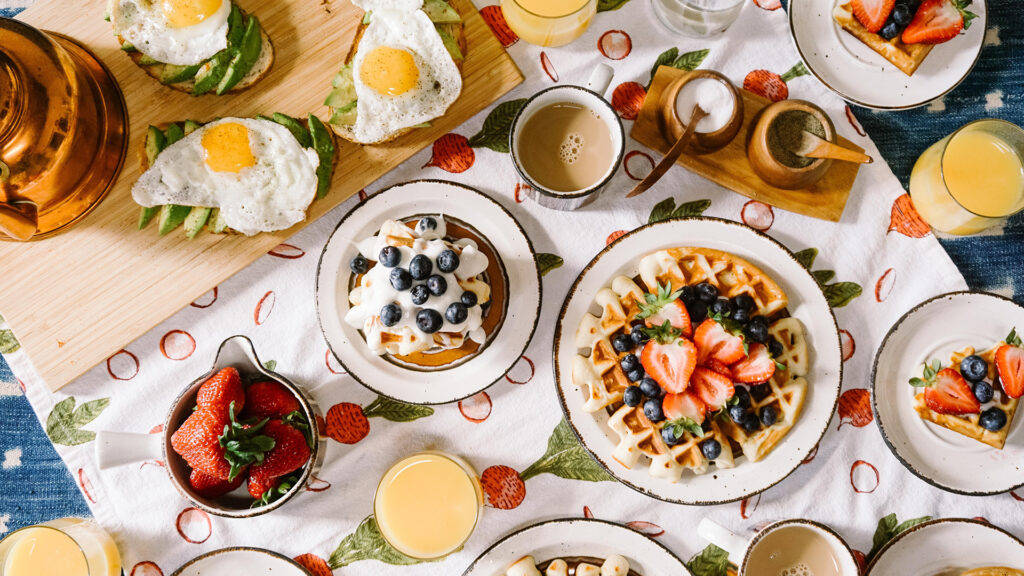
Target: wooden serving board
column 729, row 166
column 75, row 299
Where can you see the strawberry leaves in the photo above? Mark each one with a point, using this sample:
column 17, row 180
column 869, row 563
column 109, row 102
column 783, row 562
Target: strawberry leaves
column 1013, row 339
column 664, row 334
column 242, row 443
column 930, row 370
column 683, row 423
column 666, row 209
column 64, row 424
column 655, row 302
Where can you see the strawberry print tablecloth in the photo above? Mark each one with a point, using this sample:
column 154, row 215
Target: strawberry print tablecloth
column 875, row 264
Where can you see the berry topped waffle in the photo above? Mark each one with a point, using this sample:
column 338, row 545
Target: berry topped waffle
column 614, row 565
column 695, row 360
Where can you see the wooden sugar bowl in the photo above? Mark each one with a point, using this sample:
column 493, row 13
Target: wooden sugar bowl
column 773, row 136
column 672, row 116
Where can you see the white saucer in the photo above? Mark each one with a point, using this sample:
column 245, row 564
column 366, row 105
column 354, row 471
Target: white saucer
column 248, row 561
column 948, row 546
column 578, row 537
column 860, row 75
column 505, row 347
column 941, row 457
column 806, row 302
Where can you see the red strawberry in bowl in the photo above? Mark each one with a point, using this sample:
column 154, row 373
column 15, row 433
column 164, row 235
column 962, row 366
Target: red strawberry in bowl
column 670, row 363
column 712, row 388
column 290, row 451
column 269, row 399
column 684, row 405
column 209, row 487
column 1010, row 365
column 946, row 391
column 938, row 21
column 218, row 445
column 223, row 388
column 872, row 14
column 758, row 366
column 714, row 341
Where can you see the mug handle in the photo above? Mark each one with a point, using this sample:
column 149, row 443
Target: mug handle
column 121, row 448
column 600, row 79
column 734, row 545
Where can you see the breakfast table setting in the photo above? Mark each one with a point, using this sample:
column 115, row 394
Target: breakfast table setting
column 870, row 302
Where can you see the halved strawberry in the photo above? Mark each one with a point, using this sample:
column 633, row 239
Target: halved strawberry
column 1010, row 366
column 684, row 405
column 937, row 21
column 712, row 388
column 714, row 341
column 670, row 364
column 758, row 366
column 951, row 394
column 872, row 13
column 716, row 366
column 675, row 313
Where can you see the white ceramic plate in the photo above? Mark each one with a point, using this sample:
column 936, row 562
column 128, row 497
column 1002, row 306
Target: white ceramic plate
column 948, row 547
column 860, row 75
column 932, row 330
column 505, row 347
column 248, row 561
column 578, row 537
column 806, row 302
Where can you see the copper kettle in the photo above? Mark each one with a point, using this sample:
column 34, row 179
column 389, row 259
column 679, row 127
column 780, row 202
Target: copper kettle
column 63, row 131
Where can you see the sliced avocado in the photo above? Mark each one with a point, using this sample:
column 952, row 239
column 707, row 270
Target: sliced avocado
column 344, row 116
column 148, row 61
column 296, row 128
column 450, row 43
column 212, row 72
column 245, row 57
column 323, row 143
column 195, row 221
column 440, row 12
column 174, row 133
column 262, row 117
column 172, row 73
column 217, row 223
column 171, row 216
column 191, row 126
column 146, row 214
column 344, row 91
column 155, row 144
column 129, row 47
column 236, row 26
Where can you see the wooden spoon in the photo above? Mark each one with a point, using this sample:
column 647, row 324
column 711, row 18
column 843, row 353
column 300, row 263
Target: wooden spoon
column 672, row 155
column 812, row 146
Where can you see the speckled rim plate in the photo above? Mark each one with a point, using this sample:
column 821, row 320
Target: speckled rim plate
column 947, row 546
column 242, row 560
column 860, row 75
column 578, row 537
column 941, row 457
column 806, row 302
column 523, row 300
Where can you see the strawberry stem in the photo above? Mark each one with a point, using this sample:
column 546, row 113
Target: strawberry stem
column 242, row 443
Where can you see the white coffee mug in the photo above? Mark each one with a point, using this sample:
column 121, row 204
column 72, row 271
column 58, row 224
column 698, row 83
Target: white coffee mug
column 741, row 550
column 590, row 96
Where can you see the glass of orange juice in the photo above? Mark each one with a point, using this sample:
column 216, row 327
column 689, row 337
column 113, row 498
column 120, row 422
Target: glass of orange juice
column 549, row 22
column 428, row 504
column 65, row 547
column 972, row 179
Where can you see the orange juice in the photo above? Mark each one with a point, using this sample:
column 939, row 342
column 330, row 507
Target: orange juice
column 427, row 505
column 68, row 547
column 549, row 22
column 972, row 179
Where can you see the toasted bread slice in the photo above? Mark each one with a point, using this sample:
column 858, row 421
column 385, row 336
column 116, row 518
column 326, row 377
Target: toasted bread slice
column 906, row 57
column 456, row 30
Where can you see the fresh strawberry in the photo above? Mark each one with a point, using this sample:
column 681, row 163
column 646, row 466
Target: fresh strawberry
column 290, row 451
column 670, row 364
column 218, row 445
column 716, row 366
column 665, row 306
column 715, row 342
column 937, row 21
column 712, row 388
column 223, row 388
column 259, row 484
column 872, row 13
column 1010, row 365
column 269, row 400
column 758, row 366
column 209, row 487
column 684, row 405
column 951, row 394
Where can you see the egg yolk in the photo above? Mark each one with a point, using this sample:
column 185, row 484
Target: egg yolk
column 389, row 71
column 227, row 149
column 185, row 13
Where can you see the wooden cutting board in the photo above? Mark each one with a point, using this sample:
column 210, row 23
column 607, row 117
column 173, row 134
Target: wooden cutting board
column 77, row 298
column 729, row 166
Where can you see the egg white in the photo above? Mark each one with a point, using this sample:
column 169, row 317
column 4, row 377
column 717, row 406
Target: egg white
column 142, row 24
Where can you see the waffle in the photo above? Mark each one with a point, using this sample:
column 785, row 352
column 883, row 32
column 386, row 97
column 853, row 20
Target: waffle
column 906, row 57
column 967, row 424
column 599, row 375
column 614, row 565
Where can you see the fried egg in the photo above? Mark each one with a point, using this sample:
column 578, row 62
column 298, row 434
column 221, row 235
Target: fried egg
column 403, row 74
column 180, row 32
column 255, row 171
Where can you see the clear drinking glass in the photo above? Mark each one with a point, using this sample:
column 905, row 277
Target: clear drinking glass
column 549, row 22
column 65, row 547
column 697, row 18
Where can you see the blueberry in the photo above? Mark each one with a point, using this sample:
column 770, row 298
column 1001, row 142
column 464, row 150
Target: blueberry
column 468, row 298
column 649, row 386
column 428, row 320
column 668, row 434
column 688, row 295
column 706, row 292
column 902, row 14
column 743, row 302
column 775, row 348
column 760, row 391
column 974, row 368
column 992, row 419
column 359, row 264
column 437, row 285
column 722, row 307
column 639, row 337
column 426, row 223
column 890, row 30
column 635, row 375
column 447, row 261
column 629, row 363
column 741, row 315
column 401, row 279
column 698, row 311
column 420, row 294
column 742, row 396
column 390, row 314
column 420, row 267
column 389, row 256
column 456, row 313
column 632, row 396
column 983, row 392
column 622, row 343
column 751, row 423
column 652, row 409
column 768, row 416
column 711, row 449
column 757, row 331
column 737, row 413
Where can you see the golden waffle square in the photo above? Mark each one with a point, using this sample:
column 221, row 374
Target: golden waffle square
column 906, row 57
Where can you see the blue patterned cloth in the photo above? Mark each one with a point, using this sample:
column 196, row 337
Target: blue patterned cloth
column 35, row 486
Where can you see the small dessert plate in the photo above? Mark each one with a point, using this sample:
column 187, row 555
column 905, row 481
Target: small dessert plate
column 520, row 297
column 948, row 546
column 248, row 561
column 806, row 303
column 861, row 76
column 571, row 538
column 941, row 457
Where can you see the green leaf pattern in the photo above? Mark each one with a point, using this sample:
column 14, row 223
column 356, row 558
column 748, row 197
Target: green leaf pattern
column 395, row 411
column 566, row 458
column 687, row 61
column 667, row 209
column 606, row 5
column 494, row 133
column 712, row 561
column 888, row 528
column 65, row 422
column 548, row 262
column 8, row 343
column 367, row 543
column 838, row 294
